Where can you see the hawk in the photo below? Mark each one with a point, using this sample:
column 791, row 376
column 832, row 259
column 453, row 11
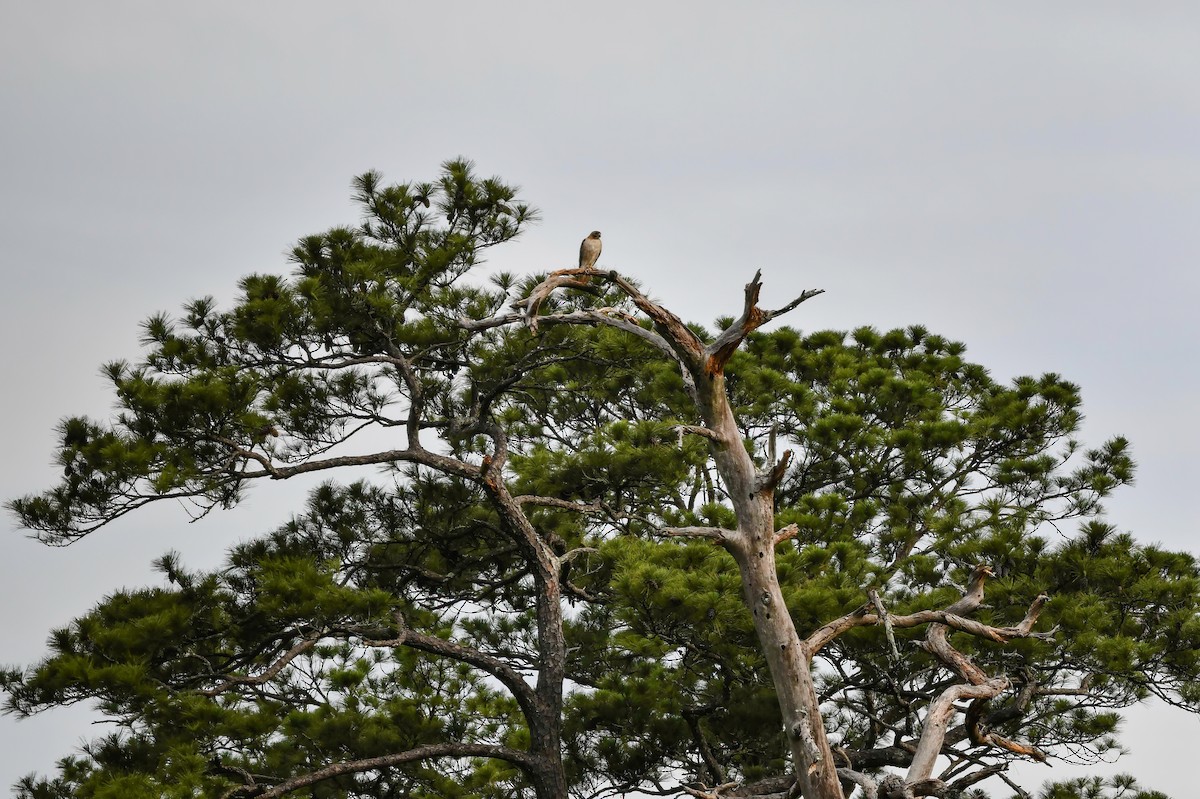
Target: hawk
column 589, row 251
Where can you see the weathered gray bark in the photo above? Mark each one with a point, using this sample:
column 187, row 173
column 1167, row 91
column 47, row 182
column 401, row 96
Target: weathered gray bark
column 751, row 493
column 753, row 548
column 752, row 545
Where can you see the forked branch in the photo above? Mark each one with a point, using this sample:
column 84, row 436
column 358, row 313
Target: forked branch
column 976, row 684
column 683, row 343
column 951, row 617
column 721, row 350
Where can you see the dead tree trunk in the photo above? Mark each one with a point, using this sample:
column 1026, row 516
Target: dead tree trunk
column 752, row 544
column 751, row 493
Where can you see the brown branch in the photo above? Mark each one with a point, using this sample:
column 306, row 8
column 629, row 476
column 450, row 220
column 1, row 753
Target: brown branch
column 611, row 317
column 686, row 344
column 1085, row 688
column 467, row 323
column 979, row 729
column 721, row 350
column 950, row 617
column 412, row 455
column 861, row 618
column 968, row 780
column 576, row 552
column 424, row 642
column 523, row 759
column 972, row 598
column 937, row 641
column 777, row 472
column 999, row 741
column 869, row 788
column 682, row 342
column 831, row 630
column 716, row 770
column 266, row 676
column 496, row 667
column 562, row 278
column 785, row 533
column 877, row 603
column 979, row 687
column 808, row 294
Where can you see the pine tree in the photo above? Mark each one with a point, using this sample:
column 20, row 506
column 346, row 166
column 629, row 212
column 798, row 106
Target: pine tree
column 609, row 552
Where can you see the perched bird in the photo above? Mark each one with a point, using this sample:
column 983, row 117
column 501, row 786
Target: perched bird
column 589, row 251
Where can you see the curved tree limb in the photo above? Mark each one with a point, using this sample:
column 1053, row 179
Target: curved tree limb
column 951, row 617
column 502, row 671
column 683, row 343
column 979, row 687
column 268, row 674
column 515, row 756
column 938, row 719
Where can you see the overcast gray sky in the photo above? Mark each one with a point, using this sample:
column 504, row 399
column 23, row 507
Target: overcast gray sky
column 1023, row 177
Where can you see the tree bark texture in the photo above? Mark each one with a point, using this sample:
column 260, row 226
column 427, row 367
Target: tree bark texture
column 753, row 548
column 752, row 544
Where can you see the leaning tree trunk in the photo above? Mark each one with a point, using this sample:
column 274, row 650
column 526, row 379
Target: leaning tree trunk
column 752, row 545
column 545, row 722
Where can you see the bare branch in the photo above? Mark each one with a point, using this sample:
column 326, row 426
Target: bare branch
column 562, row 278
column 887, row 625
column 860, row 617
column 968, row 780
column 1001, row 635
column 713, row 793
column 467, row 323
column 936, row 637
column 806, row 295
column 696, row 430
column 1085, row 688
column 682, row 342
column 611, row 317
column 784, row 533
column 831, row 630
column 268, row 674
column 870, row 790
column 561, row 504
column 576, row 552
column 424, row 642
column 772, row 478
column 715, row 768
column 979, row 687
column 686, row 344
column 721, row 350
column 938, row 718
column 412, row 455
column 714, row 533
